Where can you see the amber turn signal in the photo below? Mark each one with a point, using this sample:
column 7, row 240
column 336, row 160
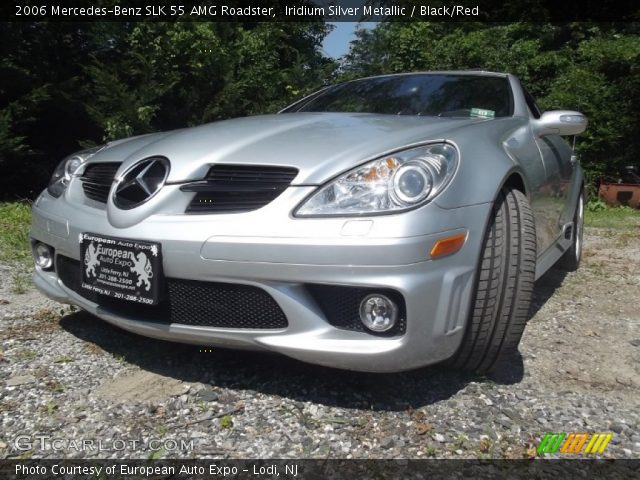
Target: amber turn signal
column 448, row 245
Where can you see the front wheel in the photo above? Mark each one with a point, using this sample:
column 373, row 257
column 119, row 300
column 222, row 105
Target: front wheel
column 504, row 285
column 570, row 260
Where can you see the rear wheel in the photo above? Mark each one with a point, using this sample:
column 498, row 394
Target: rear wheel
column 504, row 285
column 570, row 260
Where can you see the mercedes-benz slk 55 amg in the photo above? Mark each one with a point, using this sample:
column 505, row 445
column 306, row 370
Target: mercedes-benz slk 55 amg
column 380, row 224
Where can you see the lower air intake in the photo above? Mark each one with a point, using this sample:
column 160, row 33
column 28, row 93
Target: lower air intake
column 341, row 307
column 189, row 302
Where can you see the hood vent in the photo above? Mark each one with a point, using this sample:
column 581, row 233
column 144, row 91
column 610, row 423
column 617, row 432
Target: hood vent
column 238, row 188
column 97, row 179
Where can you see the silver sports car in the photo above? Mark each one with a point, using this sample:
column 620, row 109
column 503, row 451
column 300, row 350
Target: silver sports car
column 380, row 224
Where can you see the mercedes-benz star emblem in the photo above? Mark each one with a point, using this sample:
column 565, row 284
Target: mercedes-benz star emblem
column 141, row 182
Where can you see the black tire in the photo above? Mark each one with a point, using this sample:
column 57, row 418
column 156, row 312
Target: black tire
column 570, row 260
column 504, row 285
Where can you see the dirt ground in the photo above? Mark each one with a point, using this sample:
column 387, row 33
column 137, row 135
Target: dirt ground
column 67, row 373
column 585, row 333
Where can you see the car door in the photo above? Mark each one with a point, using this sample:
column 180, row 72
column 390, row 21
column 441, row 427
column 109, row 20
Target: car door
column 554, row 191
column 556, row 155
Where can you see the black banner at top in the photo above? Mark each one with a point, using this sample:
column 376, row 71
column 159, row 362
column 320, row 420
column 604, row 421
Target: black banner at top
column 322, row 10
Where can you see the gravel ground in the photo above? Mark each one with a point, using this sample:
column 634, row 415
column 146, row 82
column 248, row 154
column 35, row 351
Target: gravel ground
column 68, row 377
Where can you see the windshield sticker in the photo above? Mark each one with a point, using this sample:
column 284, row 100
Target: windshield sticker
column 481, row 112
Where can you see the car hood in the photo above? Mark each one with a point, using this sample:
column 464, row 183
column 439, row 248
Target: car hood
column 319, row 145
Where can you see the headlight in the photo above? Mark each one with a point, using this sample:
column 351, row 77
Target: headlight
column 66, row 168
column 389, row 184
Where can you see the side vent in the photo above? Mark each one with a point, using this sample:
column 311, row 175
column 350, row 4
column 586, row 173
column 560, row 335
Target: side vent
column 238, row 188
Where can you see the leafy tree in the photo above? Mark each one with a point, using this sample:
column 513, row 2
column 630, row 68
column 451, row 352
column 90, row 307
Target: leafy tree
column 42, row 118
column 171, row 75
column 67, row 85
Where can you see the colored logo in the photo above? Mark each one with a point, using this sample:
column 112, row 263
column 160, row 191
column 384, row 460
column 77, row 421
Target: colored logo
column 588, row 443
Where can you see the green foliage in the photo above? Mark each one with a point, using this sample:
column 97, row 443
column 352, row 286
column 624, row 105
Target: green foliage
column 596, row 205
column 226, row 422
column 63, row 359
column 41, row 111
column 15, row 219
column 156, row 454
column 20, row 282
column 66, row 86
column 26, row 354
column 69, row 85
column 186, row 73
column 9, row 143
column 125, row 95
column 617, row 217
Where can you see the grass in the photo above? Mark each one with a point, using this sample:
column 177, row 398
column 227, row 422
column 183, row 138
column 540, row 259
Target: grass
column 156, row 454
column 431, row 451
column 20, row 282
column 64, row 359
column 49, row 408
column 26, row 354
column 460, row 442
column 485, row 445
column 15, row 218
column 618, row 218
column 226, row 422
column 55, row 386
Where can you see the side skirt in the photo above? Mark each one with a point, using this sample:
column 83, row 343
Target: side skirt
column 552, row 254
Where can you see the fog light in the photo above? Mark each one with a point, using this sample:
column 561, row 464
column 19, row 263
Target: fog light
column 378, row 313
column 43, row 255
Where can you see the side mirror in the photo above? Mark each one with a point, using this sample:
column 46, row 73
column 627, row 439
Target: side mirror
column 560, row 122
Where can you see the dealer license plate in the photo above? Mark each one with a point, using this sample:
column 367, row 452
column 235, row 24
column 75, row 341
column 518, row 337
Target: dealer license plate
column 121, row 268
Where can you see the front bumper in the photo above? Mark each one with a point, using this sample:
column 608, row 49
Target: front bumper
column 283, row 256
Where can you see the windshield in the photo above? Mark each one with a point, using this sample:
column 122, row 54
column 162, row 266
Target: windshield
column 444, row 95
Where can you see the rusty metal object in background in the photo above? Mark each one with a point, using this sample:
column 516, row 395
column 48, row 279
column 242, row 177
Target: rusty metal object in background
column 616, row 194
column 625, row 192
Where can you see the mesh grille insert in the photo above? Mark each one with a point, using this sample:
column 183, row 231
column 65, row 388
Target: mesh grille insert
column 97, row 179
column 238, row 188
column 189, row 302
column 223, row 304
